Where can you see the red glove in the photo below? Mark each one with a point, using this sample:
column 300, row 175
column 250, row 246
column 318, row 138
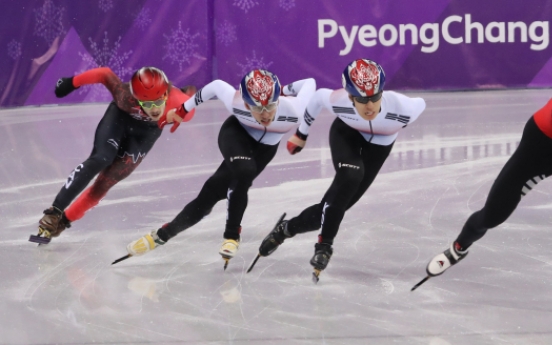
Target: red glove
column 296, row 142
column 180, row 111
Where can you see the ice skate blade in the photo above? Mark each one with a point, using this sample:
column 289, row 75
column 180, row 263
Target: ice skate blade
column 316, row 276
column 39, row 239
column 253, row 263
column 121, row 259
column 420, row 283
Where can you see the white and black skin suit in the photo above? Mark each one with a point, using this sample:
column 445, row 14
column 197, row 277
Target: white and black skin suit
column 247, row 148
column 359, row 148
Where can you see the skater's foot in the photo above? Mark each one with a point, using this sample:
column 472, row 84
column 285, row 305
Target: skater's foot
column 441, row 262
column 275, row 238
column 144, row 244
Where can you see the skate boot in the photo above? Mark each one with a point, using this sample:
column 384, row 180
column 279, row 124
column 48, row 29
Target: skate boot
column 322, row 254
column 228, row 249
column 144, row 244
column 64, row 223
column 276, row 237
column 440, row 263
column 273, row 240
column 141, row 246
column 51, row 225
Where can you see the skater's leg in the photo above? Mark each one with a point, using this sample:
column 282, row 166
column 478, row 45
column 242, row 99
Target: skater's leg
column 345, row 146
column 373, row 157
column 529, row 165
column 108, row 137
column 138, row 140
column 237, row 147
column 246, row 159
column 308, row 220
column 107, row 178
column 109, row 134
column 212, row 192
column 356, row 163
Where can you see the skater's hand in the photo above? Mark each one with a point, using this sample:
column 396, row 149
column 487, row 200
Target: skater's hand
column 64, row 86
column 296, row 142
column 173, row 116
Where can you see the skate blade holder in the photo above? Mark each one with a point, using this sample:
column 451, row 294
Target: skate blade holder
column 316, row 275
column 39, row 239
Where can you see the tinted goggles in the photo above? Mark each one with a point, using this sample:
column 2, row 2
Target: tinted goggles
column 259, row 108
column 372, row 99
column 151, row 104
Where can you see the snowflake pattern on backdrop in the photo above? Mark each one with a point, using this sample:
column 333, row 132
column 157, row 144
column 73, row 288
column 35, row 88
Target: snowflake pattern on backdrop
column 105, row 5
column 104, row 56
column 226, row 33
column 180, row 46
column 14, row 49
column 143, row 19
column 48, row 21
column 253, row 63
column 245, row 5
column 287, row 4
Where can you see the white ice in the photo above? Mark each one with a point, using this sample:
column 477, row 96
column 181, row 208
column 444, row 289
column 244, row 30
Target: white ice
column 440, row 171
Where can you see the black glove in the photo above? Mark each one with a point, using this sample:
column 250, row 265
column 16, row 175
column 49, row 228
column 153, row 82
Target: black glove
column 64, row 86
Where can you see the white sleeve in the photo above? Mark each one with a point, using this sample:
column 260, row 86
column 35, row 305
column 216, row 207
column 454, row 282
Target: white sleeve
column 320, row 100
column 303, row 90
column 305, row 85
column 418, row 106
column 221, row 89
column 412, row 107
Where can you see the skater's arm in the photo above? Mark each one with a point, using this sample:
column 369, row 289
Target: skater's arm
column 303, row 90
column 101, row 75
column 300, row 87
column 319, row 100
column 175, row 100
column 221, row 89
column 104, row 75
column 409, row 106
column 297, row 141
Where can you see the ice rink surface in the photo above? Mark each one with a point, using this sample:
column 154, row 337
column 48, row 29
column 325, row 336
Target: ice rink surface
column 439, row 171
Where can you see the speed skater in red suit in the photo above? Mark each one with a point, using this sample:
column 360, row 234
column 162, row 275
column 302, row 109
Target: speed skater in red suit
column 124, row 136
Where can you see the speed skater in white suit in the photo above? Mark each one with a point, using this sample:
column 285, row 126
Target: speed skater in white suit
column 361, row 137
column 248, row 141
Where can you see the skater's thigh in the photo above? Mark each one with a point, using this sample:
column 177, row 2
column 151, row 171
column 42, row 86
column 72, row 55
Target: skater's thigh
column 139, row 138
column 110, row 131
column 234, row 141
column 518, row 176
column 345, row 145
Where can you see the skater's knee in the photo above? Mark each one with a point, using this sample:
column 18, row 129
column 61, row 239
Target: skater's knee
column 120, row 169
column 483, row 220
column 244, row 172
column 352, row 176
column 100, row 187
column 100, row 160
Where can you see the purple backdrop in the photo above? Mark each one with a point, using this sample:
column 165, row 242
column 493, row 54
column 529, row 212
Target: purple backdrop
column 427, row 44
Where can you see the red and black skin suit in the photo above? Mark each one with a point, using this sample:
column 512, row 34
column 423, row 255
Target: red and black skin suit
column 123, row 137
